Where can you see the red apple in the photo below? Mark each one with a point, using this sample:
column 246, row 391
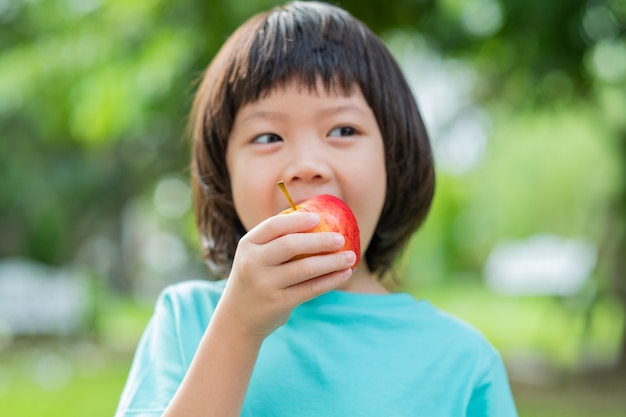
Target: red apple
column 335, row 216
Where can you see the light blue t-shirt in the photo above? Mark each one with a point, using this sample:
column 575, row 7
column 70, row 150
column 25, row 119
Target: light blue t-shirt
column 341, row 354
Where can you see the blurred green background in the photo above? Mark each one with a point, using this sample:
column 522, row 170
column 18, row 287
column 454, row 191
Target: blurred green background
column 526, row 104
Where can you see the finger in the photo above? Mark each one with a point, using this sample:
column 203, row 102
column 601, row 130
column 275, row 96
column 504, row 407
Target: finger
column 282, row 224
column 300, row 270
column 314, row 287
column 295, row 245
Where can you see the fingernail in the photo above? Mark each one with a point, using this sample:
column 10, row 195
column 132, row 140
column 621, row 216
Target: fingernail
column 338, row 239
column 350, row 257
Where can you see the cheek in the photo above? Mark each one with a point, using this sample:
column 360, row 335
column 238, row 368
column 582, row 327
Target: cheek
column 252, row 199
column 243, row 202
column 237, row 185
column 372, row 188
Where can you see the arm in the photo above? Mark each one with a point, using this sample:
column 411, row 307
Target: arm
column 264, row 286
column 218, row 377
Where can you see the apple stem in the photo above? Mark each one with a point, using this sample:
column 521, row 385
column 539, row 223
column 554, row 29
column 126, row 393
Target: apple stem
column 283, row 188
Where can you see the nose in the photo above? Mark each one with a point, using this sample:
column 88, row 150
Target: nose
column 307, row 163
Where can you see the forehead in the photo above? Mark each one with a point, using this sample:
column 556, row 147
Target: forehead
column 315, row 85
column 330, row 99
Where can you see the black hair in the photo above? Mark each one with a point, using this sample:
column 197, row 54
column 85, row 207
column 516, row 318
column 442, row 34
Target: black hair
column 306, row 42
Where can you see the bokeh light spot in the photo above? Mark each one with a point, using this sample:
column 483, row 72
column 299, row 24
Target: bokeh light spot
column 482, row 17
column 172, row 198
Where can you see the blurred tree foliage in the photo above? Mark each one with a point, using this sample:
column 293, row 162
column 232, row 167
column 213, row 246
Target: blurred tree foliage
column 94, row 96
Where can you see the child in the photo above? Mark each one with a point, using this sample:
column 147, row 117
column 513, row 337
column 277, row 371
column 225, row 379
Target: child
column 307, row 94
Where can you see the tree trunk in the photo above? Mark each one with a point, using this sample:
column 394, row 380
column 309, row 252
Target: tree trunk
column 618, row 271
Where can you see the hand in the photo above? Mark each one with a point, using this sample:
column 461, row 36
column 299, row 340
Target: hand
column 266, row 283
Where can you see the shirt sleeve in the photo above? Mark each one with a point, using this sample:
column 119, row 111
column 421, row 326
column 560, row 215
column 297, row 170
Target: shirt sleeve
column 158, row 366
column 492, row 395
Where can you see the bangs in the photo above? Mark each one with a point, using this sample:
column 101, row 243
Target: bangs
column 296, row 45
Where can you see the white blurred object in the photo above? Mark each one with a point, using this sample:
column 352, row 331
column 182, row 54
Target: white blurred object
column 540, row 265
column 172, row 198
column 458, row 127
column 164, row 252
column 38, row 299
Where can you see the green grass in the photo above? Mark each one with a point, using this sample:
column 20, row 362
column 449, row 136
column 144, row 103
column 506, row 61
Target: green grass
column 96, row 378
column 574, row 397
column 542, row 327
column 72, row 378
column 540, row 339
column 61, row 381
column 546, row 348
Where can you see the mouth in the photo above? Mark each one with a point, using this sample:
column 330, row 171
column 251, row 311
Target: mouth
column 299, row 200
column 306, row 193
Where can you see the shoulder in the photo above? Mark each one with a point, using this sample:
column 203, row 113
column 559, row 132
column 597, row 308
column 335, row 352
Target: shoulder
column 193, row 298
column 194, row 289
column 459, row 335
column 463, row 349
column 459, row 325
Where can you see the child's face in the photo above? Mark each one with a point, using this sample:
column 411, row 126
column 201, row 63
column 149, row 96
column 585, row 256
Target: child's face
column 314, row 141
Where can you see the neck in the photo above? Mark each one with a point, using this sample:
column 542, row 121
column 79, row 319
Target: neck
column 363, row 281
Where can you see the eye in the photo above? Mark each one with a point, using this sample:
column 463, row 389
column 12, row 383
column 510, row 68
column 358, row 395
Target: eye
column 267, row 138
column 343, row 131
